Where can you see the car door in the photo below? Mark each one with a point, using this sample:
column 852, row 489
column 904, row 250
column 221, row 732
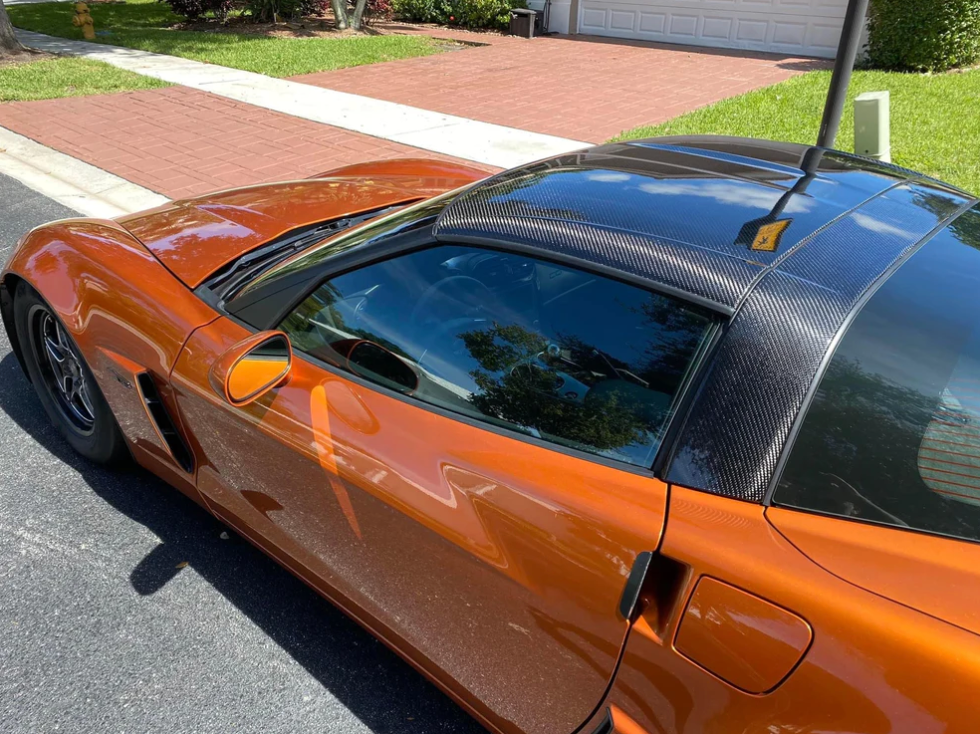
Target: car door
column 461, row 459
column 852, row 602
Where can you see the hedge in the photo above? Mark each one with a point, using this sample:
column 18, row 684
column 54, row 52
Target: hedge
column 463, row 13
column 924, row 35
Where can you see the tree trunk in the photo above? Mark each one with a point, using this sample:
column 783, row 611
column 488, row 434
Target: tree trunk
column 355, row 21
column 339, row 13
column 9, row 45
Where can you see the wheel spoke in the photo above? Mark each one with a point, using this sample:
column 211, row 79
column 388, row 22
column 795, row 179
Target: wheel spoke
column 54, row 350
column 65, row 372
column 62, row 341
column 86, row 401
column 57, row 371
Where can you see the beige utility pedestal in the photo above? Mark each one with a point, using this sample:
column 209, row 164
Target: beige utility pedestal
column 872, row 126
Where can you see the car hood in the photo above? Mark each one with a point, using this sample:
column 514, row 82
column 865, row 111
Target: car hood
column 195, row 237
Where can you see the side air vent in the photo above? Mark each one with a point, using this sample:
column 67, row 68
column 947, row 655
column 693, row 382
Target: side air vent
column 163, row 423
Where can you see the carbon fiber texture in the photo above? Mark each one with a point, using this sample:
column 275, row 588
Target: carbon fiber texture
column 775, row 344
column 788, row 159
column 789, row 155
column 757, row 383
column 703, row 273
column 635, row 222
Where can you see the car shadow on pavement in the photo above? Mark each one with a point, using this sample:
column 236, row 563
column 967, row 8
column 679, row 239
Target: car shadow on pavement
column 373, row 683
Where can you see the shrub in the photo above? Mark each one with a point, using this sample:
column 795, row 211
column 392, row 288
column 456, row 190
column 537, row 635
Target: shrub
column 193, row 9
column 485, row 13
column 421, row 11
column 924, row 35
column 378, row 9
column 263, row 11
column 463, row 13
column 314, row 7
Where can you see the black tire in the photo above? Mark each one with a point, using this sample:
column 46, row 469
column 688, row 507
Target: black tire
column 66, row 387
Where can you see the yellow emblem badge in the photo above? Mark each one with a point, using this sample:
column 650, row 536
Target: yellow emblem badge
column 768, row 236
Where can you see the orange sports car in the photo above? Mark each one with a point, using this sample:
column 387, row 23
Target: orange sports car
column 678, row 435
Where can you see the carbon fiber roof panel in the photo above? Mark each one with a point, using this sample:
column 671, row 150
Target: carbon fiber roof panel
column 701, row 272
column 668, row 211
column 777, row 341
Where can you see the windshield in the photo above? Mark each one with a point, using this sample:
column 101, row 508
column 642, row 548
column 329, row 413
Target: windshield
column 403, row 220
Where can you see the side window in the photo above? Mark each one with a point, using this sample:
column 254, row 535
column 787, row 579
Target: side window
column 893, row 434
column 556, row 353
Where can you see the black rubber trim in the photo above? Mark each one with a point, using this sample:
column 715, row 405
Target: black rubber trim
column 629, row 602
column 606, row 725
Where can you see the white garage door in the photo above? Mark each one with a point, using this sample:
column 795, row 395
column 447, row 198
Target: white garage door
column 806, row 27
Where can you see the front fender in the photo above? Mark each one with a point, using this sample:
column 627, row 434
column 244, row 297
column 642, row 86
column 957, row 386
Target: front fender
column 108, row 290
column 127, row 313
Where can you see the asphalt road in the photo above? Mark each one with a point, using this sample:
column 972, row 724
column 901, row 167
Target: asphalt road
column 100, row 631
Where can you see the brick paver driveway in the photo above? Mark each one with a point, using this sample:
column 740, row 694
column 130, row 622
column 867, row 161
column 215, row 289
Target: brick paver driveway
column 182, row 142
column 579, row 87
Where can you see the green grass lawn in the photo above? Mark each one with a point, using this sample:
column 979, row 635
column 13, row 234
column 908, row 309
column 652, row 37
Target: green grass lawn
column 60, row 77
column 144, row 24
column 935, row 120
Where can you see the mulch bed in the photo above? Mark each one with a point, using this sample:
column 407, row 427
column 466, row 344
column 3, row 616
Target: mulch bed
column 27, row 56
column 318, row 26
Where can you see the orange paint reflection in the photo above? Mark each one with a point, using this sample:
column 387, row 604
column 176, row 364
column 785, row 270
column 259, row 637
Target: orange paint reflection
column 320, row 417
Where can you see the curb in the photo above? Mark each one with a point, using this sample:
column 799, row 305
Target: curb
column 71, row 182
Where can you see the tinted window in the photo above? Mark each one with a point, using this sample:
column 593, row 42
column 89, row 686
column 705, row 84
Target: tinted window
column 893, row 435
column 550, row 351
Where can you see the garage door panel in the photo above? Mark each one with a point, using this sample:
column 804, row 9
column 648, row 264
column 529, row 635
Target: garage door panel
column 721, row 23
column 789, row 33
column 833, row 9
column 717, row 28
column 825, row 37
column 683, row 26
column 621, row 20
column 653, row 22
column 751, row 31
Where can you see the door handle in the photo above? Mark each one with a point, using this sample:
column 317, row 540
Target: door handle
column 629, row 602
column 653, row 588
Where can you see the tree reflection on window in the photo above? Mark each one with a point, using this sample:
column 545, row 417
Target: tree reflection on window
column 556, row 353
